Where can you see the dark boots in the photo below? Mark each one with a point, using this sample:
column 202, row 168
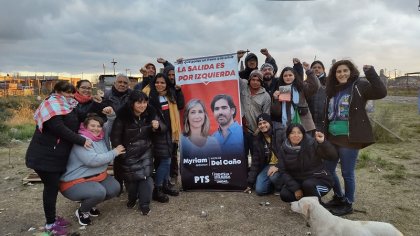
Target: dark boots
column 159, row 195
column 339, row 206
column 170, row 189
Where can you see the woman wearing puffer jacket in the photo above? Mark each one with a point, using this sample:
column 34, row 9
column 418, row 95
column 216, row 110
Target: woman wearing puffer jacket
column 133, row 128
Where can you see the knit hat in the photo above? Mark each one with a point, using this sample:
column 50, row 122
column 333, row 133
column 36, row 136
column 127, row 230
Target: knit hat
column 150, row 64
column 318, row 62
column 267, row 65
column 264, row 116
column 258, row 74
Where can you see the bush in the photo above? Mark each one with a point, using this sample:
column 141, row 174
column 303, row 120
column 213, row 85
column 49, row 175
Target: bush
column 16, row 118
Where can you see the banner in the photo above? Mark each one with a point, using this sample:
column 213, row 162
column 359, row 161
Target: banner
column 211, row 145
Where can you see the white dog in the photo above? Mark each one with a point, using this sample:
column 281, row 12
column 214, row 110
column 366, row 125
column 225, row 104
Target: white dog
column 323, row 222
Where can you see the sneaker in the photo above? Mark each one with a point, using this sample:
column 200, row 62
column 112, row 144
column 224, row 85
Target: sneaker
column 131, row 203
column 94, row 212
column 83, row 217
column 145, row 210
column 56, row 230
column 60, row 221
column 345, row 209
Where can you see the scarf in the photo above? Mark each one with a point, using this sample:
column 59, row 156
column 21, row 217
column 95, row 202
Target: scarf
column 175, row 125
column 291, row 149
column 54, row 105
column 118, row 93
column 82, row 98
column 85, row 132
column 173, row 115
column 295, row 100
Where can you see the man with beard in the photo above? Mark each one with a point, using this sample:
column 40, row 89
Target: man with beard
column 264, row 175
column 251, row 62
column 254, row 101
column 270, row 81
column 229, row 134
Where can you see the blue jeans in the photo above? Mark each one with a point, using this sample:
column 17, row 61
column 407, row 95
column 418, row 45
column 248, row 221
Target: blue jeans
column 162, row 172
column 348, row 158
column 264, row 183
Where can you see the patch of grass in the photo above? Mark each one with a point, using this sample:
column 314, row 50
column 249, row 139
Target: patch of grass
column 21, row 116
column 16, row 120
column 398, row 174
column 363, row 160
column 395, row 172
column 408, row 92
column 22, row 132
column 382, row 119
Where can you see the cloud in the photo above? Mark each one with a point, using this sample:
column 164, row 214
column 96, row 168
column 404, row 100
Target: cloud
column 79, row 36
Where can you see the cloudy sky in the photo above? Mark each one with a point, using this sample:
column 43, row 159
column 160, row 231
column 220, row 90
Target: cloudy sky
column 75, row 36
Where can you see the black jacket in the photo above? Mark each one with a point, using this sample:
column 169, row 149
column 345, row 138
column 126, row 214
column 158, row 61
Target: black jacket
column 115, row 99
column 360, row 129
column 260, row 156
column 162, row 141
column 316, row 104
column 90, row 107
column 247, row 71
column 50, row 150
column 296, row 167
column 135, row 134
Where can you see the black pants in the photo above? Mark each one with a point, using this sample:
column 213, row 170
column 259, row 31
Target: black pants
column 141, row 190
column 174, row 161
column 51, row 181
column 310, row 187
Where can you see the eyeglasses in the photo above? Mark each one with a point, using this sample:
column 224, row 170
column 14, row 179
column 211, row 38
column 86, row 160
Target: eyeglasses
column 86, row 88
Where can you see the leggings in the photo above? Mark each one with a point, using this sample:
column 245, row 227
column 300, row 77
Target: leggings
column 51, row 181
column 92, row 193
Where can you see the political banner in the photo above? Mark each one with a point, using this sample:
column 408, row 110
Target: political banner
column 211, row 145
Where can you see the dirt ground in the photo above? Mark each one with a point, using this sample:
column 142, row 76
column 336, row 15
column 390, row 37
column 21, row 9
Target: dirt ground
column 198, row 213
column 396, row 201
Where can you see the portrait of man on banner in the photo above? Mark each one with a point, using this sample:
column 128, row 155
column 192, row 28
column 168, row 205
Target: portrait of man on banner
column 211, row 144
column 229, row 132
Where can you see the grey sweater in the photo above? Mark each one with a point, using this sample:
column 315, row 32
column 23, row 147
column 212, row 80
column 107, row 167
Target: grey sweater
column 85, row 162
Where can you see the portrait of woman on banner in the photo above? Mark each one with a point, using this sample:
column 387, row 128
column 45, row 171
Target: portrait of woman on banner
column 195, row 141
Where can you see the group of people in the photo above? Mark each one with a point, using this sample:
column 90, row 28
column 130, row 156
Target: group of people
column 311, row 125
column 296, row 131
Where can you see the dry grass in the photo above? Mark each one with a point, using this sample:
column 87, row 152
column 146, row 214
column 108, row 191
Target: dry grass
column 21, row 116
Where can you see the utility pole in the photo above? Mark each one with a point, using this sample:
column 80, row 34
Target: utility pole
column 113, row 64
column 103, row 66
